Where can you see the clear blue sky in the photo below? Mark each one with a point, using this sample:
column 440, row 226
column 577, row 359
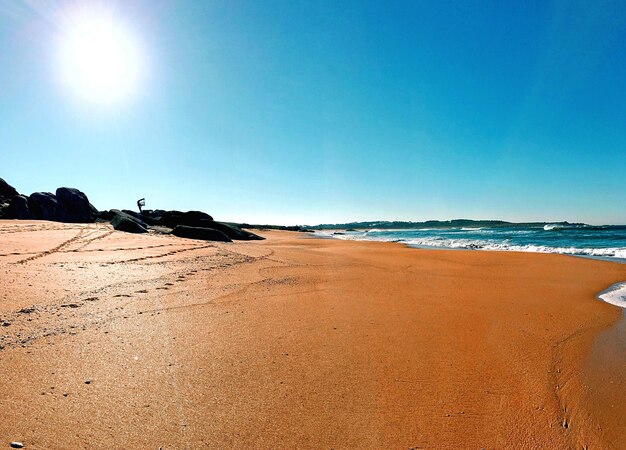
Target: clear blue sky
column 313, row 111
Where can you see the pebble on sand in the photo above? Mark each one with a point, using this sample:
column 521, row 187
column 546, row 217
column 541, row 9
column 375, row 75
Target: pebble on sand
column 16, row 444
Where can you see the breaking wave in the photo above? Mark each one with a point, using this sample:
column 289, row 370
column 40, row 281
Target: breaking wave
column 593, row 241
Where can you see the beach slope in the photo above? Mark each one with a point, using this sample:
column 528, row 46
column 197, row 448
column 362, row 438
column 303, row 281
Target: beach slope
column 111, row 340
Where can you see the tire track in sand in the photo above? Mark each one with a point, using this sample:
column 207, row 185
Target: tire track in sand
column 53, row 250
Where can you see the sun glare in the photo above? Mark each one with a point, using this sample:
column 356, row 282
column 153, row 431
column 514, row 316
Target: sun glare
column 99, row 59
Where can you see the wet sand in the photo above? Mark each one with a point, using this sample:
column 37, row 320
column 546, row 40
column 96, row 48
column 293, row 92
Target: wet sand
column 112, row 340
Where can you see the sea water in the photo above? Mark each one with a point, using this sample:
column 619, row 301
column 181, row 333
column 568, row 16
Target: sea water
column 606, row 242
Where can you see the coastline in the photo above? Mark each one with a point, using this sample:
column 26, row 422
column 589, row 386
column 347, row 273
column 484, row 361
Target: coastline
column 614, row 294
column 296, row 342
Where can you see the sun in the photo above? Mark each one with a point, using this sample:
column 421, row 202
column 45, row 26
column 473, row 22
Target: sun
column 99, row 59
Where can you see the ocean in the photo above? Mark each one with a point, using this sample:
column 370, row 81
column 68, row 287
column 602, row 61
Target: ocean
column 606, row 242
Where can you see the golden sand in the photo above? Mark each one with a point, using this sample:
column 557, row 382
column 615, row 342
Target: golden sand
column 114, row 340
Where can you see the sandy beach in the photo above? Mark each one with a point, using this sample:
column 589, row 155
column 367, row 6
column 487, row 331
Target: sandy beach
column 111, row 340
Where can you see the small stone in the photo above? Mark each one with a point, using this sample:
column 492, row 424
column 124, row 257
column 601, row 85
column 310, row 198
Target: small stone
column 87, row 381
column 6, row 323
column 16, row 444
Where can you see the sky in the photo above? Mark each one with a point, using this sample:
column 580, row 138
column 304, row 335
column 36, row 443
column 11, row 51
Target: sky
column 306, row 112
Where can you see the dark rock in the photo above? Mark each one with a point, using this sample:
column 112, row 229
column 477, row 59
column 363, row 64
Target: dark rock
column 106, row 215
column 43, row 205
column 73, row 206
column 18, row 209
column 127, row 223
column 171, row 219
column 6, row 190
column 233, row 231
column 205, row 234
column 142, row 217
column 136, row 215
column 152, row 217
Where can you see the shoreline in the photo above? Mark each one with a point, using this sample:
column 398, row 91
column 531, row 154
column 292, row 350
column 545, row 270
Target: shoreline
column 302, row 342
column 482, row 244
column 602, row 295
column 615, row 295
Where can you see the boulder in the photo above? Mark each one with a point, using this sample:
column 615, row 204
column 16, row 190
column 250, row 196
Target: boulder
column 127, row 223
column 152, row 216
column 171, row 219
column 205, row 234
column 73, row 206
column 43, row 205
column 233, row 231
column 18, row 209
column 6, row 190
column 143, row 217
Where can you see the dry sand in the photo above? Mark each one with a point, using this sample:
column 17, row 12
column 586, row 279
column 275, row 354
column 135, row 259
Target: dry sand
column 122, row 341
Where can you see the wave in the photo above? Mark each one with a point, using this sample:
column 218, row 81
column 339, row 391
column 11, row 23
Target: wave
column 583, row 227
column 615, row 295
column 471, row 244
column 481, row 244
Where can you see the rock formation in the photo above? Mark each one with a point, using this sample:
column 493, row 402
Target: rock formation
column 205, row 234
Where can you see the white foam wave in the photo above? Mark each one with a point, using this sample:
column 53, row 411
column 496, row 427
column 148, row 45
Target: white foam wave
column 613, row 252
column 615, row 295
column 477, row 244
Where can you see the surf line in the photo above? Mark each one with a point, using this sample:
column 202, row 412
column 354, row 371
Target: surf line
column 615, row 295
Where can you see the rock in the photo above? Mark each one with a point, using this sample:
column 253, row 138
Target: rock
column 127, row 223
column 43, row 205
column 73, row 206
column 143, row 218
column 171, row 219
column 233, row 231
column 16, row 444
column 106, row 215
column 6, row 190
column 87, row 381
column 18, row 209
column 205, row 234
